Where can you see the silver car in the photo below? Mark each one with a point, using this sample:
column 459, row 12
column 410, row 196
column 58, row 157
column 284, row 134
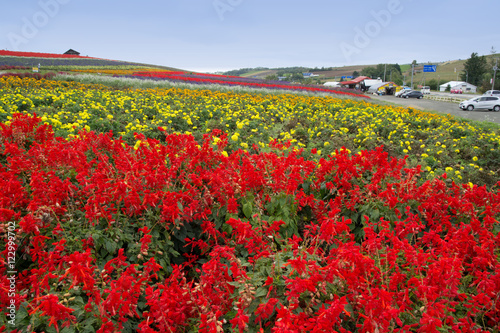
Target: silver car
column 492, row 93
column 484, row 103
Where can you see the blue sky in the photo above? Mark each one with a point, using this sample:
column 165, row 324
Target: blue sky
column 211, row 35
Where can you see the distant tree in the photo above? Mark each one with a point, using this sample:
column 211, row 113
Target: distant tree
column 369, row 71
column 396, row 77
column 378, row 72
column 474, row 69
column 433, row 84
column 489, row 70
column 448, row 87
column 355, row 74
column 414, row 62
column 297, row 76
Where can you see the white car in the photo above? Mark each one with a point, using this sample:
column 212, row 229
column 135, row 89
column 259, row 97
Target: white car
column 492, row 93
column 402, row 91
column 485, row 103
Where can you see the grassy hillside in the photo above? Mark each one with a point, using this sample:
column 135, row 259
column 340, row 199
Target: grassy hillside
column 446, row 71
column 329, row 75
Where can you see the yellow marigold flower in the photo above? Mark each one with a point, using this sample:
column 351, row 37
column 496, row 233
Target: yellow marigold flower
column 474, row 158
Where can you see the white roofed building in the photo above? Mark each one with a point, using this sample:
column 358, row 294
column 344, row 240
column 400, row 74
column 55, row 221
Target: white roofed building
column 454, row 85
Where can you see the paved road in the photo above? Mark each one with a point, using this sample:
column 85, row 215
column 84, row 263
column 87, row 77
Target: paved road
column 441, row 107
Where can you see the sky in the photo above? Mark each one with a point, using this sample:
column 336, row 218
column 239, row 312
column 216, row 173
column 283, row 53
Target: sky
column 220, row 35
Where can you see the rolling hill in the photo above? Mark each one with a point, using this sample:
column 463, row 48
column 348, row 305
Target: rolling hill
column 446, row 71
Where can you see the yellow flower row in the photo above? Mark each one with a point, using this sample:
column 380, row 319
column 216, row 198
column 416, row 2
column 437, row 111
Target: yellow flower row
column 324, row 123
column 127, row 71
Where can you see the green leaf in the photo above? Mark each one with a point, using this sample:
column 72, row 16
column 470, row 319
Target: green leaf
column 68, row 329
column 247, row 209
column 110, row 246
column 261, row 292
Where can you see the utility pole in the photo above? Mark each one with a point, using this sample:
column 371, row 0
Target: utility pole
column 412, row 66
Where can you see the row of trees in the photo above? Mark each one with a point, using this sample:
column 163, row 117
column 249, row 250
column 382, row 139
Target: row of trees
column 387, row 72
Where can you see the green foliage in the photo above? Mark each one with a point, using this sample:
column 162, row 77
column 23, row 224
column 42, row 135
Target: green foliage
column 433, row 84
column 381, row 69
column 474, row 69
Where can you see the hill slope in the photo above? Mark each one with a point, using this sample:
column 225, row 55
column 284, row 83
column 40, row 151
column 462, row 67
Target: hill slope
column 446, row 71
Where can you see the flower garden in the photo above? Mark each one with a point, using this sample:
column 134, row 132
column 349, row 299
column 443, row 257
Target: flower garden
column 195, row 210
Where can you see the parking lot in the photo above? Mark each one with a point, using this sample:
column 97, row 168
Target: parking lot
column 442, row 107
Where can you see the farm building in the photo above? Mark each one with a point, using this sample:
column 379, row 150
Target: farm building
column 366, row 84
column 383, row 88
column 355, row 82
column 309, row 75
column 332, row 84
column 72, row 52
column 454, row 85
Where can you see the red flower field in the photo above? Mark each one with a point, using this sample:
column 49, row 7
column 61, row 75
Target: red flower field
column 38, row 54
column 174, row 236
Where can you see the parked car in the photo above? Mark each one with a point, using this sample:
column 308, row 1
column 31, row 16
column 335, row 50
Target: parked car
column 402, row 91
column 413, row 94
column 484, row 103
column 492, row 93
column 425, row 90
column 456, row 91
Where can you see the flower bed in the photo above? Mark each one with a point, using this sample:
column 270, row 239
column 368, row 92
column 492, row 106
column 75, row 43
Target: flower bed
column 202, row 78
column 180, row 235
column 465, row 151
column 38, row 54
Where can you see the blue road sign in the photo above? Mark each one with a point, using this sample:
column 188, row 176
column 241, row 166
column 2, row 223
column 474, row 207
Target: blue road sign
column 430, row 68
